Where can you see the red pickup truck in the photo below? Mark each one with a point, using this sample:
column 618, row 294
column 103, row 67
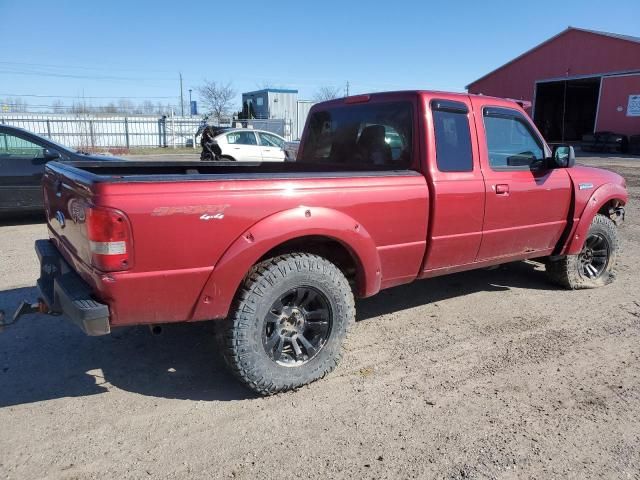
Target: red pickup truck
column 387, row 188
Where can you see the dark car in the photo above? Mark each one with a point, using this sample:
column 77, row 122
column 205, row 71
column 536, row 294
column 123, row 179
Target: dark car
column 23, row 156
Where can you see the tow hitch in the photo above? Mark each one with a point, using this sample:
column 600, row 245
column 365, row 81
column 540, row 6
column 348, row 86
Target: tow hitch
column 25, row 308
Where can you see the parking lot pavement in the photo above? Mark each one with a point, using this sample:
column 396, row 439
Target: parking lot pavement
column 486, row 374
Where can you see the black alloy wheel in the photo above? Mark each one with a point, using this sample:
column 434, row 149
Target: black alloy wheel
column 297, row 326
column 594, row 256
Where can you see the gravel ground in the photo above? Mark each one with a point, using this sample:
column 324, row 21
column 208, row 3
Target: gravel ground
column 487, row 374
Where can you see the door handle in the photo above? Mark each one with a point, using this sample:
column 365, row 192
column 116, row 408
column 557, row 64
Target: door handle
column 502, row 189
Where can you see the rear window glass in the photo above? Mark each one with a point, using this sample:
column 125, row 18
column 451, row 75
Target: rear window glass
column 376, row 135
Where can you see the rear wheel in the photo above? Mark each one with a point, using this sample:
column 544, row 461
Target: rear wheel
column 594, row 266
column 290, row 319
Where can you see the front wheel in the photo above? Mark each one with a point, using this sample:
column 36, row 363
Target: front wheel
column 595, row 265
column 290, row 318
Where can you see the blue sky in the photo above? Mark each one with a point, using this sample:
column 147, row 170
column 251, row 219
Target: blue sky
column 135, row 49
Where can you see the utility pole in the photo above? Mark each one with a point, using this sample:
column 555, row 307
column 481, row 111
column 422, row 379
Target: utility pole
column 190, row 108
column 347, row 88
column 181, row 98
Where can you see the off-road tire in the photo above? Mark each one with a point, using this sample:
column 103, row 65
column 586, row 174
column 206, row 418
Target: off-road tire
column 242, row 333
column 567, row 271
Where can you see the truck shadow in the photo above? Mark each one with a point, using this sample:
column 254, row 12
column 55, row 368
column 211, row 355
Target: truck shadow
column 529, row 275
column 45, row 357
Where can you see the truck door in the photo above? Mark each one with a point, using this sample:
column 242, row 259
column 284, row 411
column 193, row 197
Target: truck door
column 458, row 191
column 527, row 202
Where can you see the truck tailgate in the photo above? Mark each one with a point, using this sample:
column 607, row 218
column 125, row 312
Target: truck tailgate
column 65, row 200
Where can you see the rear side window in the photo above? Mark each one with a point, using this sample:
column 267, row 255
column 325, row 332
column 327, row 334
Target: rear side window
column 453, row 138
column 366, row 135
column 242, row 138
column 511, row 142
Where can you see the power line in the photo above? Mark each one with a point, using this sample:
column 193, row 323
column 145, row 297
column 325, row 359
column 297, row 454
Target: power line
column 84, row 67
column 76, row 96
column 85, row 77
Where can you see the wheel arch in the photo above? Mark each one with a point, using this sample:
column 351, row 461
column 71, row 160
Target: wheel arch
column 601, row 201
column 326, row 232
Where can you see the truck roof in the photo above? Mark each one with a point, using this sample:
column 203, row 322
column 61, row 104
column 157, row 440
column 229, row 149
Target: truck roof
column 407, row 93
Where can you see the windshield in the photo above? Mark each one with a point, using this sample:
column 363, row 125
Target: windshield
column 60, row 146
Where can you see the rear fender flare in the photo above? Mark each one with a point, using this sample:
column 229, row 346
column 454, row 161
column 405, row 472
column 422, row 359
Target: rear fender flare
column 598, row 199
column 218, row 293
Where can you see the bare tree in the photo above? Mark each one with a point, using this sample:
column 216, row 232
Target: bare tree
column 217, row 98
column 125, row 106
column 80, row 107
column 57, row 106
column 327, row 93
column 147, row 107
column 16, row 105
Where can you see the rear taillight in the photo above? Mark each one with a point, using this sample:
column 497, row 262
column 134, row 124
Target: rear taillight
column 110, row 242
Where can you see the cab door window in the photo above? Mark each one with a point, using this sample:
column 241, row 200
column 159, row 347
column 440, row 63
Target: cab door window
column 511, row 143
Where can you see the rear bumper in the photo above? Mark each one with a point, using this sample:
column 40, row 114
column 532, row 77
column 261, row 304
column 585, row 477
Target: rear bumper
column 66, row 293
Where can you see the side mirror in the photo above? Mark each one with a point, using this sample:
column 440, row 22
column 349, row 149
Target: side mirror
column 50, row 154
column 564, row 156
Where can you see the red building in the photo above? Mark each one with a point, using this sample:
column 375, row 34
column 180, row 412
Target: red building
column 579, row 81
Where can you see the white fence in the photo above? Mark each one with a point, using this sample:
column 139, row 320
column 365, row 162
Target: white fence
column 99, row 132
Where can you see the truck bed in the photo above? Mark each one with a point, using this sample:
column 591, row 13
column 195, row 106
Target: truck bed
column 196, row 226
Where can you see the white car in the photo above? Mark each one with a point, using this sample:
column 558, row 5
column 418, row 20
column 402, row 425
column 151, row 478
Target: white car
column 248, row 145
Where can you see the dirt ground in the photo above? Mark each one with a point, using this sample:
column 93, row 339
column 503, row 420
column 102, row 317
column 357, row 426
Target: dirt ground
column 487, row 374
